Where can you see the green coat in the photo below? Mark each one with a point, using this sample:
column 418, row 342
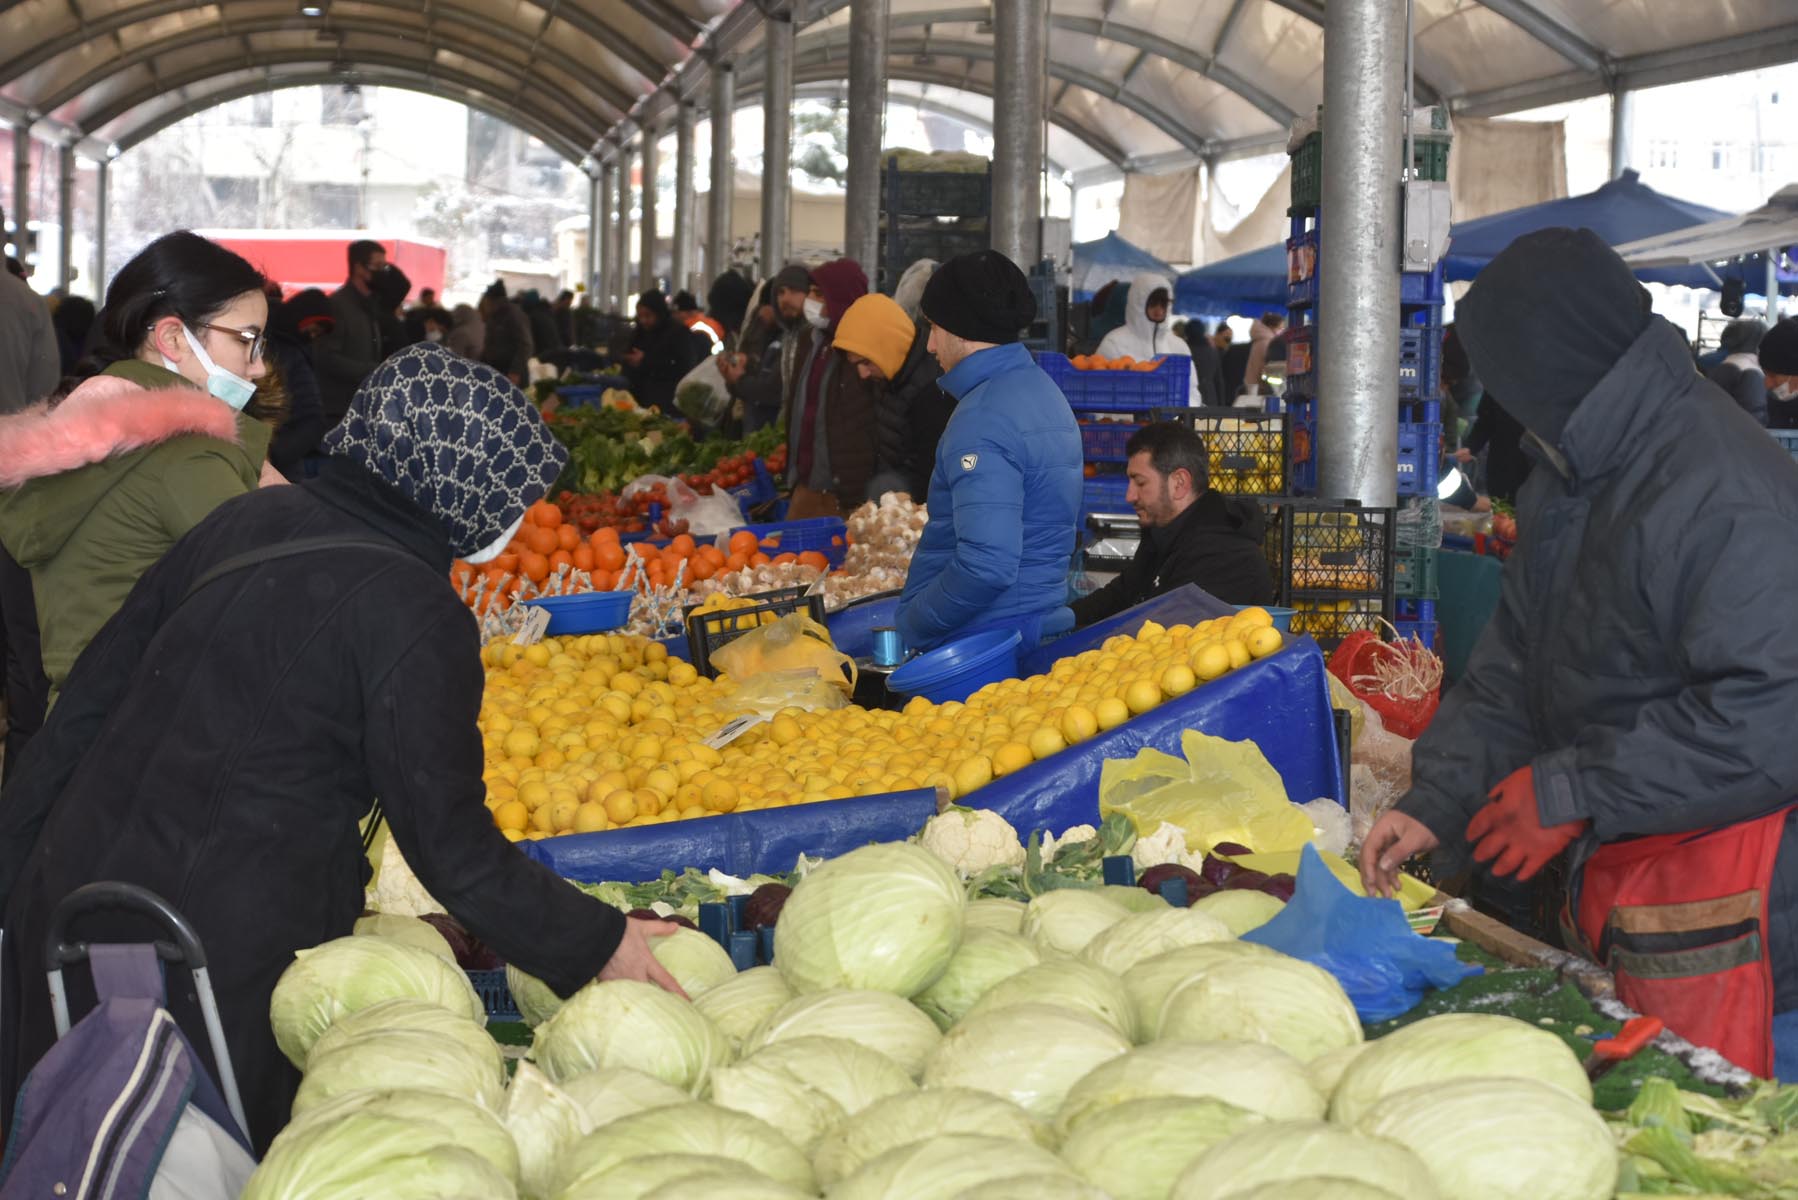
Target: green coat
column 96, row 490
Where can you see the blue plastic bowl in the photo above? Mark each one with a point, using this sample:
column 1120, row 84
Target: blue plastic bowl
column 1282, row 616
column 585, row 612
column 958, row 670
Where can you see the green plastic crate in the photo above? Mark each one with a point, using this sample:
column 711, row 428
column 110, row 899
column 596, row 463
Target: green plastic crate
column 1429, row 159
column 1414, row 574
column 1307, row 176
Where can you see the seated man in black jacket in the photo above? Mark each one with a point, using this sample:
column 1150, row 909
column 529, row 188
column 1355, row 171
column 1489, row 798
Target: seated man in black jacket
column 1191, row 534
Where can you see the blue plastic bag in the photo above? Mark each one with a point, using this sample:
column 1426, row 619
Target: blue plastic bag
column 1365, row 943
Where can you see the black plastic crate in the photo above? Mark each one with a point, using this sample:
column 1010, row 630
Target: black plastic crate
column 1332, row 563
column 1307, row 176
column 934, row 193
column 708, row 631
column 1245, row 449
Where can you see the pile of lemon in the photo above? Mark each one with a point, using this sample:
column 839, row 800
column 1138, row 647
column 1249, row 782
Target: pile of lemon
column 605, row 732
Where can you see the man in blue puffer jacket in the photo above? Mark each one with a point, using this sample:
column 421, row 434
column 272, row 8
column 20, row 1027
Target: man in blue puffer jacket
column 1005, row 490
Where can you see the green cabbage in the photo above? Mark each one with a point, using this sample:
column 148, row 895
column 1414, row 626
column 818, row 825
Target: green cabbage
column 1137, row 1149
column 1501, row 1139
column 885, row 917
column 368, row 1154
column 1029, row 1053
column 691, row 1128
column 806, row 1086
column 348, row 974
column 1134, row 899
column 739, row 1005
column 462, row 1122
column 1065, row 920
column 410, row 930
column 697, row 963
column 1327, row 1069
column 1240, row 909
column 917, row 1117
column 721, row 1186
column 628, row 1023
column 1151, row 981
column 880, row 1021
column 635, row 1178
column 996, row 912
column 1261, row 1079
column 390, row 1015
column 543, row 1123
column 1282, row 1001
column 1454, row 1046
column 537, row 1002
column 1064, row 983
column 1144, row 935
column 1035, row 1187
column 1288, row 1151
column 612, row 1092
column 405, row 1058
column 987, row 957
column 1318, row 1187
column 945, row 1167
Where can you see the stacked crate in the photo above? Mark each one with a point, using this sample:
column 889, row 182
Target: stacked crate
column 1109, row 407
column 930, row 214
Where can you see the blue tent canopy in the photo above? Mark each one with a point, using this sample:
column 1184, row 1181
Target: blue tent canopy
column 1111, row 257
column 1623, row 210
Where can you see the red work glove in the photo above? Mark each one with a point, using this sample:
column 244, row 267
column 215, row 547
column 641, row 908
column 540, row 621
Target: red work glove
column 1509, row 828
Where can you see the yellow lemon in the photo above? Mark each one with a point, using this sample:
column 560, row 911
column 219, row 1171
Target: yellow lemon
column 1111, row 712
column 1265, row 641
column 972, row 774
column 512, row 815
column 662, row 780
column 721, row 795
column 522, row 742
column 1078, row 723
column 621, row 807
column 1255, row 618
column 1142, row 695
column 543, row 819
column 533, row 793
column 649, row 801
column 513, row 835
column 1046, row 740
column 1210, row 661
column 1178, row 680
column 1011, row 757
column 1239, row 653
column 682, row 674
column 785, row 730
column 562, row 812
column 590, row 818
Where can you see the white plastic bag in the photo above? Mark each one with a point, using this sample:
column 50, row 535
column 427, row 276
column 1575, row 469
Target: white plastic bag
column 704, row 515
column 707, row 410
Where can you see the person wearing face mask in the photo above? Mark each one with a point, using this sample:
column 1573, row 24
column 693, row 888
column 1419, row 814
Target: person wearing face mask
column 1739, row 373
column 97, row 485
column 1779, row 363
column 759, row 372
column 298, row 655
column 1147, row 333
column 829, row 409
column 1625, row 720
column 356, row 344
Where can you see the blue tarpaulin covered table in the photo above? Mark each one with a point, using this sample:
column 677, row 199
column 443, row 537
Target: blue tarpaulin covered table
column 1281, row 703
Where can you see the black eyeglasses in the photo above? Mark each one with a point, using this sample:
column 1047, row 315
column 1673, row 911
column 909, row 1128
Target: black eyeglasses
column 255, row 339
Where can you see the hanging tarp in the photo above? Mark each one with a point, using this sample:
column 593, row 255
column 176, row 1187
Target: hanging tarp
column 1111, row 258
column 1736, row 247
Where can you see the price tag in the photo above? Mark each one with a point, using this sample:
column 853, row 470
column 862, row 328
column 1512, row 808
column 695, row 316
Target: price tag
column 733, row 729
column 535, row 625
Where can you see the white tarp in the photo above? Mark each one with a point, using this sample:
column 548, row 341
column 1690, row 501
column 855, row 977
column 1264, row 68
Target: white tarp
column 1160, row 214
column 1774, row 224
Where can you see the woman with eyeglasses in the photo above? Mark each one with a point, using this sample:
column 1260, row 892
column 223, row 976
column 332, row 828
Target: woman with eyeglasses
column 97, row 483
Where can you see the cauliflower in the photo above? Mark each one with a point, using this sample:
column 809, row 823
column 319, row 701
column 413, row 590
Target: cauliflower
column 1166, row 845
column 972, row 839
column 397, row 890
column 1075, row 835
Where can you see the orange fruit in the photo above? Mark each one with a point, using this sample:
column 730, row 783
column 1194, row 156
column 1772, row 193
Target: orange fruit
column 561, row 558
column 682, row 545
column 609, row 556
column 583, row 557
column 605, row 535
column 545, row 514
column 567, row 537
column 743, row 542
column 540, row 540
column 812, row 558
column 785, row 558
column 535, row 566
column 758, row 559
column 701, row 568
column 506, row 562
column 737, row 561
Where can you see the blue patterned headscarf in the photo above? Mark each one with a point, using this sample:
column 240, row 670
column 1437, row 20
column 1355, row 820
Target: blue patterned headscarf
column 456, row 437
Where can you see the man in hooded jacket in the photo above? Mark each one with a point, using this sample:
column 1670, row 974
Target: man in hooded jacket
column 1148, row 331
column 833, row 432
column 1629, row 705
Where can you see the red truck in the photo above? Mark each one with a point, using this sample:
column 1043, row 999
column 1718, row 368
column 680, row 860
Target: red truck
column 319, row 259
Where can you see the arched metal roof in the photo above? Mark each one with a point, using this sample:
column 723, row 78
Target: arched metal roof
column 1140, row 83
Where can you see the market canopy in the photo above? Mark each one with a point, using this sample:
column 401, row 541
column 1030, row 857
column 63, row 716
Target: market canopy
column 1140, row 85
column 1111, row 257
column 1736, row 247
column 1246, row 283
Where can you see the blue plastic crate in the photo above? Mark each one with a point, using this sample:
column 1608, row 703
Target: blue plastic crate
column 1105, row 441
column 1419, row 457
column 1301, row 268
column 580, row 395
column 1301, row 447
column 1419, row 361
column 1105, row 494
column 1787, row 438
column 1301, row 361
column 758, row 491
column 495, row 994
column 1416, row 289
column 827, row 535
column 1416, row 618
column 1167, row 386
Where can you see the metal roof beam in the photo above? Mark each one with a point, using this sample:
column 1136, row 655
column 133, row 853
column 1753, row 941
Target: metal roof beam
column 1228, row 27
column 669, row 19
column 1529, row 17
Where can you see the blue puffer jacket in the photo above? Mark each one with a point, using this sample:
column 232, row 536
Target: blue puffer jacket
column 1004, row 504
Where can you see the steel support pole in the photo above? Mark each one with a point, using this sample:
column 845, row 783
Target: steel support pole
column 868, row 21
column 21, row 187
column 630, row 164
column 724, row 171
column 594, row 225
column 102, row 182
column 65, row 216
column 777, row 141
column 604, row 295
column 685, row 265
column 1623, row 111
column 621, row 233
column 1771, row 285
column 647, row 233
column 1020, row 30
column 1358, row 311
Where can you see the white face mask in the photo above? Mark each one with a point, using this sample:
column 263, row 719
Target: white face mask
column 433, row 335
column 1785, row 391
column 814, row 313
column 224, row 385
column 491, row 552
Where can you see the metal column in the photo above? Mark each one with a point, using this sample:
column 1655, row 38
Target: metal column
column 724, row 171
column 1019, row 72
column 868, row 20
column 1358, row 310
column 102, row 179
column 777, row 141
column 1771, row 286
column 647, row 233
column 684, row 265
column 605, row 291
column 65, row 216
column 21, row 188
column 619, row 272
column 595, row 222
column 1622, row 130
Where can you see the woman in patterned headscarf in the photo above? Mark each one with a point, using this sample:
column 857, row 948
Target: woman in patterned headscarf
column 296, row 656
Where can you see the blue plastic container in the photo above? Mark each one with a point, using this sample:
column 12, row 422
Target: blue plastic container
column 585, row 612
column 1167, row 386
column 1282, row 616
column 829, row 536
column 958, row 670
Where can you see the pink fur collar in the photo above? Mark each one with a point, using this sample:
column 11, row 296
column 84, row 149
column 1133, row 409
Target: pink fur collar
column 104, row 417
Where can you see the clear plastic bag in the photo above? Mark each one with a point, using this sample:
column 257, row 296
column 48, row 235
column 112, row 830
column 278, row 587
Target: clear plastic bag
column 1420, row 524
column 705, row 515
column 1379, row 773
column 795, row 643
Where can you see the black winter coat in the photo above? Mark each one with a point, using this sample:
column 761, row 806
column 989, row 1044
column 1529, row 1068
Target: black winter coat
column 221, row 752
column 913, row 413
column 1215, row 543
column 1500, row 435
column 1641, row 659
column 669, row 352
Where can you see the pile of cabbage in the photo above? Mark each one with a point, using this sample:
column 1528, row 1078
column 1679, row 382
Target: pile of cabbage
column 910, row 1045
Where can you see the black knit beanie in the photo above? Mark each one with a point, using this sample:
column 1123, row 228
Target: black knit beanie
column 981, row 297
column 1779, row 348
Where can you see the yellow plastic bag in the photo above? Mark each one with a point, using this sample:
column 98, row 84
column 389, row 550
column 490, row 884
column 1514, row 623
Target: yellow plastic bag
column 1226, row 792
column 772, row 691
column 793, row 643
